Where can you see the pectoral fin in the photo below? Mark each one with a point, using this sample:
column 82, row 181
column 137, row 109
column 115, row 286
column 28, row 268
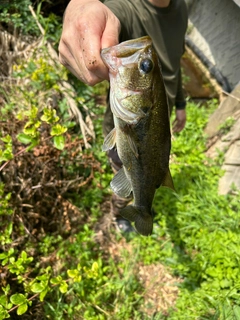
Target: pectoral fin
column 168, row 181
column 109, row 141
column 121, row 185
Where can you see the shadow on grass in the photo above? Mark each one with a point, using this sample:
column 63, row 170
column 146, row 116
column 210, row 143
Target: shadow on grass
column 167, row 203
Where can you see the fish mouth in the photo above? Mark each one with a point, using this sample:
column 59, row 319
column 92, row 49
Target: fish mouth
column 127, row 49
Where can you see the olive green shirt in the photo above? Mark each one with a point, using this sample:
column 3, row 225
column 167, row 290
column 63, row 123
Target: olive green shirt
column 166, row 27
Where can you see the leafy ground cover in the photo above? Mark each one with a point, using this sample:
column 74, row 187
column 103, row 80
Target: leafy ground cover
column 61, row 255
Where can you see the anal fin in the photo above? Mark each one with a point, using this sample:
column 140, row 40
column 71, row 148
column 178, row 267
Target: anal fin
column 120, row 184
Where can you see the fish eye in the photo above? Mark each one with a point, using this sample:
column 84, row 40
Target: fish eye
column 146, row 65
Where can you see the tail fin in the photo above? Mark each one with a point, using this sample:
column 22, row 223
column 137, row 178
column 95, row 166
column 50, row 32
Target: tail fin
column 141, row 217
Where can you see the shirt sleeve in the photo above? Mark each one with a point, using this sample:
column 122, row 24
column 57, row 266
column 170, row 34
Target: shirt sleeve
column 123, row 11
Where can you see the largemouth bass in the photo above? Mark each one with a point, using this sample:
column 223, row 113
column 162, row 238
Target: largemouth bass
column 142, row 127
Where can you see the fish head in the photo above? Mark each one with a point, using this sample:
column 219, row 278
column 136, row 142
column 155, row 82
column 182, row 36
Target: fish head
column 131, row 63
column 132, row 68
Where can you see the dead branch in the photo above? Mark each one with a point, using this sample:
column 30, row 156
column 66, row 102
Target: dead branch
column 231, row 95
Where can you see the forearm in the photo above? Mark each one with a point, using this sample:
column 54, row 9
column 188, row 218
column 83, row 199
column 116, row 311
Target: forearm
column 180, row 103
column 180, row 98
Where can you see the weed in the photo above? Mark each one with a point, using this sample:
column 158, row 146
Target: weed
column 225, row 127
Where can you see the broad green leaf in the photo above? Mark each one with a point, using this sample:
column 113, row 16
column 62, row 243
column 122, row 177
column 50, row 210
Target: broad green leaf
column 49, row 115
column 43, row 294
column 59, row 142
column 24, row 138
column 22, row 309
column 4, row 262
column 63, row 287
column 3, row 255
column 7, row 289
column 24, row 255
column 95, row 266
column 34, row 143
column 9, row 228
column 11, row 251
column 6, row 155
column 37, row 287
column 3, row 313
column 73, row 273
column 3, row 300
column 18, row 298
column 7, row 139
column 56, row 280
column 44, row 277
column 57, row 129
column 33, row 112
column 8, row 196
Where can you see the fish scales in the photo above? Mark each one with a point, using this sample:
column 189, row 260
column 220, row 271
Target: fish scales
column 142, row 127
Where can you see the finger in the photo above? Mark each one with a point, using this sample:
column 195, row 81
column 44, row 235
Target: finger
column 174, row 129
column 176, row 125
column 110, row 36
column 67, row 60
column 76, row 66
column 179, row 126
column 90, row 43
column 88, row 78
column 95, row 38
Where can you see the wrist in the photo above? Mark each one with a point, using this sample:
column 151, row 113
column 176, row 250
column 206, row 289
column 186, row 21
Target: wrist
column 180, row 105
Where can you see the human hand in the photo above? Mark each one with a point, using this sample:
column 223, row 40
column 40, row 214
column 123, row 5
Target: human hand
column 180, row 121
column 88, row 27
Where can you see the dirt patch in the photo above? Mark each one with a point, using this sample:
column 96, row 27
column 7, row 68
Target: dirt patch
column 161, row 290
